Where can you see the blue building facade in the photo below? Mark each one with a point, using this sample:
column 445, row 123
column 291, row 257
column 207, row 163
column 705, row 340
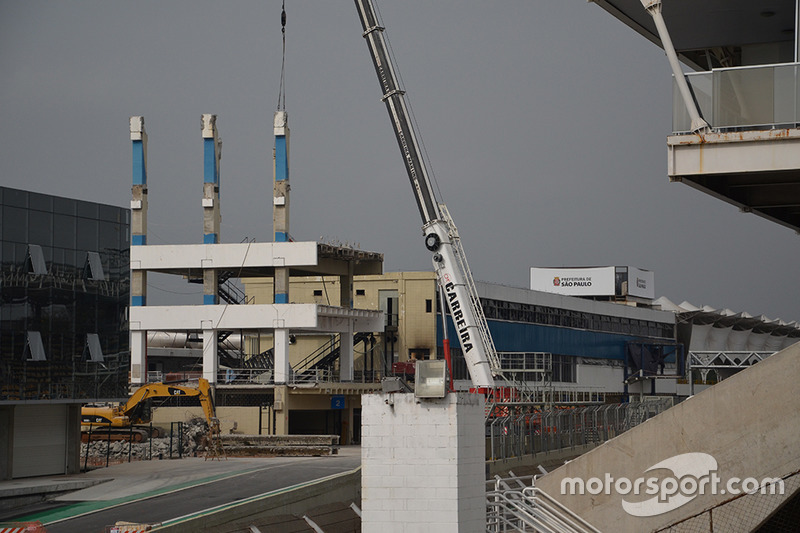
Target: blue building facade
column 588, row 340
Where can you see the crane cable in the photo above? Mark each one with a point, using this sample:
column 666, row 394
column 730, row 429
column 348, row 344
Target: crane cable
column 282, row 93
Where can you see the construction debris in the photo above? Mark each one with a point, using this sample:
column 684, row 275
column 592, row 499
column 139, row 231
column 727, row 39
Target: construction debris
column 189, row 443
column 284, row 445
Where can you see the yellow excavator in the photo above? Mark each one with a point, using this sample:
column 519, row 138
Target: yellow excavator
column 128, row 421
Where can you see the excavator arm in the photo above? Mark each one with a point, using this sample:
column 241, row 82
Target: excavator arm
column 169, row 390
column 132, row 411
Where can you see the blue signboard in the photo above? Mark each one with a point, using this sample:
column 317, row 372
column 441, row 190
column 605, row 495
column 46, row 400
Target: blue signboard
column 337, row 402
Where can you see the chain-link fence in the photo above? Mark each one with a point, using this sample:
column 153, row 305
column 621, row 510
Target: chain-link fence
column 765, row 510
column 530, row 432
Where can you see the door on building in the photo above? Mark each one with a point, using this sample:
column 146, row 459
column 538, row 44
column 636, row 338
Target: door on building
column 357, row 425
column 266, row 417
column 40, row 440
column 315, row 422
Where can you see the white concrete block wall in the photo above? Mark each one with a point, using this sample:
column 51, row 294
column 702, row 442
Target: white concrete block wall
column 423, row 464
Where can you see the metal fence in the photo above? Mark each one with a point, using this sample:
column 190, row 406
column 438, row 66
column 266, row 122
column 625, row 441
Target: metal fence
column 764, row 509
column 527, row 433
column 266, row 376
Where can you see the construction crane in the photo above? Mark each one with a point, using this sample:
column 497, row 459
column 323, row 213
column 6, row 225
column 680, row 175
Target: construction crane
column 441, row 234
column 120, row 422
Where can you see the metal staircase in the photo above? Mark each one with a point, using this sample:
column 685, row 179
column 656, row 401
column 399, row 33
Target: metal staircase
column 324, row 357
column 230, row 292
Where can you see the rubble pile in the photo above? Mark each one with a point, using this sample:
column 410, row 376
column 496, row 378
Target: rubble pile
column 191, row 442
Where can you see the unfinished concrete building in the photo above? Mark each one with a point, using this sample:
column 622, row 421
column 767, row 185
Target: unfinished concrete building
column 258, row 388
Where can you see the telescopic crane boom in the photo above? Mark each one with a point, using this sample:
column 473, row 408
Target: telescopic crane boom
column 441, row 234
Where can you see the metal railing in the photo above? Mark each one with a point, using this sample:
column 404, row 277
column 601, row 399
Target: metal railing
column 741, row 98
column 514, row 504
column 266, row 376
column 528, row 433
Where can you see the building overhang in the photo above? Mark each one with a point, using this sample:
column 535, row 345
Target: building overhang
column 700, row 26
column 757, row 171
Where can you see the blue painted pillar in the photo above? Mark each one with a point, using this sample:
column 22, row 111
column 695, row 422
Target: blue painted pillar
column 212, row 154
column 280, row 224
column 138, row 205
column 280, row 199
column 138, row 339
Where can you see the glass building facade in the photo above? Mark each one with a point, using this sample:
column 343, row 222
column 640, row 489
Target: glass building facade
column 64, row 295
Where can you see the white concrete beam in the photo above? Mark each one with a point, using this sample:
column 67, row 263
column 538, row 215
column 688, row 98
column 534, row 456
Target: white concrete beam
column 223, row 256
column 253, row 317
column 733, row 152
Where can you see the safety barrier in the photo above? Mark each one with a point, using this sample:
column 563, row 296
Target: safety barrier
column 130, row 527
column 22, row 527
column 528, row 433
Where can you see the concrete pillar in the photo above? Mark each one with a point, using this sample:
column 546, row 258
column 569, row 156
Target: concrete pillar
column 346, row 287
column 280, row 354
column 280, row 226
column 139, row 181
column 346, row 300
column 423, row 465
column 280, row 199
column 210, row 361
column 212, row 154
column 346, row 354
column 281, row 407
column 138, row 357
column 138, row 340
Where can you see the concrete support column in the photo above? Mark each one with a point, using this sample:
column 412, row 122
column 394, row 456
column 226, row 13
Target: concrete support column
column 281, row 407
column 138, row 339
column 210, row 287
column 346, row 357
column 210, row 361
column 280, row 199
column 346, row 354
column 139, row 188
column 281, row 355
column 138, row 357
column 212, row 218
column 423, row 464
column 346, row 287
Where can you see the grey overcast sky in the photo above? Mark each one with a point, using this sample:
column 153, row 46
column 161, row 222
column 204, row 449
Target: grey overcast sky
column 545, row 122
